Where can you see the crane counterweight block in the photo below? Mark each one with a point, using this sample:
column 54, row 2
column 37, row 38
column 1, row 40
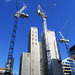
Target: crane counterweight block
column 24, row 15
column 63, row 40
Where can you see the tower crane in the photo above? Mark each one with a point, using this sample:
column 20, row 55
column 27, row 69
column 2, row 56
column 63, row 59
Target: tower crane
column 47, row 49
column 66, row 43
column 10, row 59
column 64, row 40
column 19, row 13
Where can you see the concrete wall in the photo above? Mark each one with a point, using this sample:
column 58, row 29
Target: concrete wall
column 53, row 45
column 25, row 64
column 57, row 67
column 54, row 54
column 34, row 50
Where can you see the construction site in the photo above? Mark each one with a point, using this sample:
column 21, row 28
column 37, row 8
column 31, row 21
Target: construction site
column 37, row 37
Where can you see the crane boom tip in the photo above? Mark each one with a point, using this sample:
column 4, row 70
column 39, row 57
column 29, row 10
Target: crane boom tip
column 54, row 4
column 59, row 32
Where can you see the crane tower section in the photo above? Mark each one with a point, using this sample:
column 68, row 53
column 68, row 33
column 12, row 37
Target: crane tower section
column 10, row 60
column 47, row 49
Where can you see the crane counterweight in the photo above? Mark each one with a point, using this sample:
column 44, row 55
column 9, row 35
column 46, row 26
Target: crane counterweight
column 63, row 40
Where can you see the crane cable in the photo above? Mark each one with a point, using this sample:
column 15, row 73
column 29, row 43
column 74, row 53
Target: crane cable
column 67, row 27
column 67, row 22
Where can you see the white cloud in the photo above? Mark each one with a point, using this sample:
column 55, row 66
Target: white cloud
column 8, row 0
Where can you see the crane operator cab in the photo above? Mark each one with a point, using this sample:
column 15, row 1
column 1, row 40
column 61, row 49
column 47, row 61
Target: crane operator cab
column 41, row 14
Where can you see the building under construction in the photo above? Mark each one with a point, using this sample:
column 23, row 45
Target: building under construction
column 51, row 55
column 68, row 66
column 55, row 55
column 30, row 61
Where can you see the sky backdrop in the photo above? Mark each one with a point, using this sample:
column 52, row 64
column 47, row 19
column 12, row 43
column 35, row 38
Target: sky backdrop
column 57, row 17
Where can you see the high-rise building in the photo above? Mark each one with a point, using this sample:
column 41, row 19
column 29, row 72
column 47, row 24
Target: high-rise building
column 41, row 60
column 30, row 62
column 72, row 52
column 24, row 64
column 34, row 49
column 56, row 68
column 68, row 66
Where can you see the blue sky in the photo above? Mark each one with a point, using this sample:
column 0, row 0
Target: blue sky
column 57, row 17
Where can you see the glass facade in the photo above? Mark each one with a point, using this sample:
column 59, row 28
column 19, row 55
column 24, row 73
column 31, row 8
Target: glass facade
column 68, row 66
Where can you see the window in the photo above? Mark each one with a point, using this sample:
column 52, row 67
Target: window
column 35, row 39
column 36, row 43
column 35, row 32
column 35, row 35
column 32, row 38
column 32, row 43
column 32, row 34
column 32, row 70
column 27, row 55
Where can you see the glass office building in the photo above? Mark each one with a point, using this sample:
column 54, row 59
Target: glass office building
column 68, row 66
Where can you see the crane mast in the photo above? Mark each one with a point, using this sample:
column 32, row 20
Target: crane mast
column 48, row 53
column 10, row 59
